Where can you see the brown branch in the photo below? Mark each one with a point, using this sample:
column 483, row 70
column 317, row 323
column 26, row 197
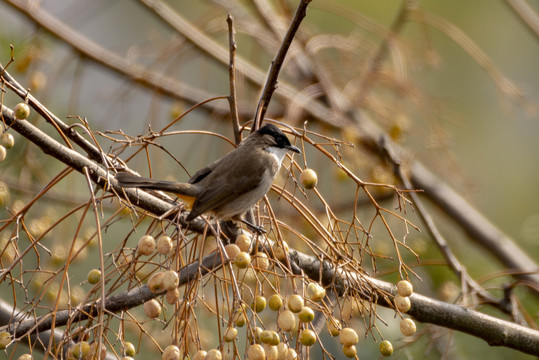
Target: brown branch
column 114, row 303
column 443, row 246
column 232, row 98
column 497, row 332
column 277, row 63
column 419, row 175
column 494, row 331
column 527, row 14
column 476, row 225
column 110, row 60
column 64, row 130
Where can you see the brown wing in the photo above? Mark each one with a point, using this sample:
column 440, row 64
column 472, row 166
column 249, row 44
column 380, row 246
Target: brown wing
column 232, row 176
column 205, row 171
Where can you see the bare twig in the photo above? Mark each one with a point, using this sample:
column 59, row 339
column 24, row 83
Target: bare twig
column 277, row 63
column 476, row 225
column 526, row 13
column 374, row 64
column 62, row 128
column 494, row 331
column 452, row 261
column 232, row 98
column 114, row 303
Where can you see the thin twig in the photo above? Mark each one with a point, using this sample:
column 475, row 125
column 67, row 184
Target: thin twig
column 527, row 14
column 452, row 261
column 232, row 98
column 277, row 63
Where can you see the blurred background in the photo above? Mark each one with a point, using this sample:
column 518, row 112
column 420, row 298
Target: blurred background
column 460, row 95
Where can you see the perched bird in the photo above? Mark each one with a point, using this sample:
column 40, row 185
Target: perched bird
column 231, row 185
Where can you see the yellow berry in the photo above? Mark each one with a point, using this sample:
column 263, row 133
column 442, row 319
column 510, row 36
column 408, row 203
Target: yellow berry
column 334, row 327
column 214, row 354
column 271, row 351
column 242, row 260
column 232, row 250
column 259, row 304
column 230, row 334
column 349, row 351
column 239, row 318
column 306, row 314
column 348, row 337
column 275, row 302
column 261, row 261
column 146, row 245
column 22, row 111
column 308, row 178
column 5, row 339
column 200, row 355
column 407, row 327
column 280, row 250
column 256, row 352
column 286, row 320
column 38, row 80
column 170, row 280
column 291, row 354
column 296, row 303
column 152, row 308
column 386, row 348
column 129, row 349
column 94, row 276
column 315, row 292
column 307, row 337
column 81, row 350
column 405, row 288
column 402, row 303
column 155, row 283
column 171, row 352
column 164, row 244
column 7, row 140
column 275, row 340
column 243, row 242
column 3, row 153
column 265, row 337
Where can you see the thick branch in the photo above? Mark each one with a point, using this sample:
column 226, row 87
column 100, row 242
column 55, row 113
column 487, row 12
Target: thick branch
column 114, row 303
column 494, row 331
column 452, row 202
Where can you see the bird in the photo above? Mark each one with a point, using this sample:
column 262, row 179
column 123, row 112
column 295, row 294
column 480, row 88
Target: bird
column 230, row 186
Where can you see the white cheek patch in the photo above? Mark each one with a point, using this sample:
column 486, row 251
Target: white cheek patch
column 277, row 153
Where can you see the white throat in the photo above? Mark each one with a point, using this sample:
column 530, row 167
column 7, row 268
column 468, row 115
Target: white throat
column 277, row 153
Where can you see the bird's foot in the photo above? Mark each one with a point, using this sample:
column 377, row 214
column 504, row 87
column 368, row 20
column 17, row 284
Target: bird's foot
column 259, row 229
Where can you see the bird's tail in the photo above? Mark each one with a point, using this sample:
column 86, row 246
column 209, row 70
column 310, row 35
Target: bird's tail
column 185, row 191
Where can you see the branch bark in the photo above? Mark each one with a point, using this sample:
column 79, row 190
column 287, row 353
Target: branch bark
column 466, row 216
column 494, row 331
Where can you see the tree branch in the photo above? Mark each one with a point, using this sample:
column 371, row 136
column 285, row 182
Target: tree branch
column 271, row 81
column 114, row 303
column 494, row 331
column 451, row 202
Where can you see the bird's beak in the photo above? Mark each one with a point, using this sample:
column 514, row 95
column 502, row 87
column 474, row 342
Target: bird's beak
column 293, row 148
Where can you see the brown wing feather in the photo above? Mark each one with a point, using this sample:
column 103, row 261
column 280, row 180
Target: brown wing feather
column 244, row 172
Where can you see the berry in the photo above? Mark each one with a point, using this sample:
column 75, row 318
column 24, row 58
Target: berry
column 22, row 111
column 308, row 178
